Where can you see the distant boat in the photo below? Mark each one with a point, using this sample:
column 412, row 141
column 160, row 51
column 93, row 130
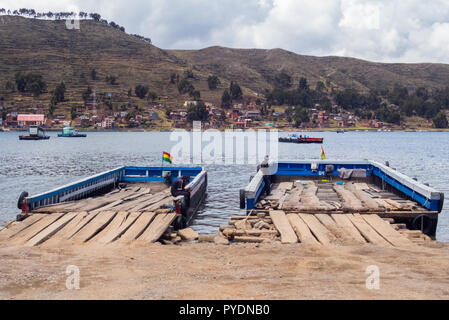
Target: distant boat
column 301, row 139
column 69, row 132
column 35, row 133
column 340, row 131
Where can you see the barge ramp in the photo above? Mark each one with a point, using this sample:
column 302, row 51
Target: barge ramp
column 126, row 205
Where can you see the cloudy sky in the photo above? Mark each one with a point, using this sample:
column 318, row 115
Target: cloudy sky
column 377, row 30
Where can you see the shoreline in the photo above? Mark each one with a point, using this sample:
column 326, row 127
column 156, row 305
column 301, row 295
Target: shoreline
column 333, row 130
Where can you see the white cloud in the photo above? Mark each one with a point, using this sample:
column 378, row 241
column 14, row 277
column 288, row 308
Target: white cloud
column 380, row 30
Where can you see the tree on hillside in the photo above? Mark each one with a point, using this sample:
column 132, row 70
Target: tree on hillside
column 30, row 82
column 93, row 74
column 196, row 95
column 141, row 91
column 320, row 87
column 111, row 80
column 226, row 100
column 59, row 92
column 303, row 85
column 283, row 80
column 9, row 86
column 213, row 82
column 95, row 16
column 130, row 92
column 301, row 116
column 73, row 114
column 152, row 95
column 235, row 91
column 174, row 77
column 86, row 94
column 188, row 74
column 197, row 112
column 184, row 86
column 440, row 120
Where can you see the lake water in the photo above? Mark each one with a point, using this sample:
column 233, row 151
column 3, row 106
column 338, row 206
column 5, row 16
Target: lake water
column 37, row 166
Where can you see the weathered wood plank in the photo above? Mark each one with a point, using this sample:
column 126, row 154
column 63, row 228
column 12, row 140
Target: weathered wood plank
column 370, row 203
column 343, row 221
column 278, row 190
column 130, row 219
column 291, row 200
column 157, row 228
column 386, row 231
column 367, row 231
column 282, row 224
column 336, row 230
column 138, row 227
column 20, row 226
column 301, row 229
column 105, row 235
column 98, row 223
column 50, row 230
column 350, row 202
column 320, row 232
column 81, row 219
column 28, row 233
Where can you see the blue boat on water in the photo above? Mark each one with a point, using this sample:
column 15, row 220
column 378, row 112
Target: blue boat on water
column 69, row 132
column 133, row 189
column 346, row 187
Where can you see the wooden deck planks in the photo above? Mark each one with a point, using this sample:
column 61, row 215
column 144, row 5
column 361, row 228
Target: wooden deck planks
column 138, row 227
column 350, row 202
column 292, row 199
column 339, row 232
column 323, row 235
column 301, row 229
column 28, row 233
column 343, row 221
column 282, row 224
column 95, row 225
column 20, row 226
column 70, row 229
column 279, row 190
column 117, row 233
column 105, row 235
column 50, row 230
column 387, row 231
column 157, row 227
column 366, row 230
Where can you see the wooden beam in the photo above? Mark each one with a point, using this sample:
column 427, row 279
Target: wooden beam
column 367, row 231
column 137, row 228
column 387, row 231
column 94, row 226
column 323, row 235
column 282, row 224
column 343, row 221
column 50, row 230
column 19, row 226
column 301, row 229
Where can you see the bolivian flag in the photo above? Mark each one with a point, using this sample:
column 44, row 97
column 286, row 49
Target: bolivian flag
column 323, row 156
column 166, row 157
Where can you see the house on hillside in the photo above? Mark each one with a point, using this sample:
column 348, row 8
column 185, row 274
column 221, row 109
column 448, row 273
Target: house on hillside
column 30, row 119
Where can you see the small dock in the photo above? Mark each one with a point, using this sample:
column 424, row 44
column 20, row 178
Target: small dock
column 129, row 215
column 124, row 205
column 342, row 202
column 320, row 229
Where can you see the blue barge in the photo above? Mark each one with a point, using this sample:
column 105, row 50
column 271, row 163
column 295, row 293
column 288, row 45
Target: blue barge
column 334, row 184
column 99, row 186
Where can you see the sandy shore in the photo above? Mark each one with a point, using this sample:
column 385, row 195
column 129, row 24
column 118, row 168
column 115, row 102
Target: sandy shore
column 207, row 271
